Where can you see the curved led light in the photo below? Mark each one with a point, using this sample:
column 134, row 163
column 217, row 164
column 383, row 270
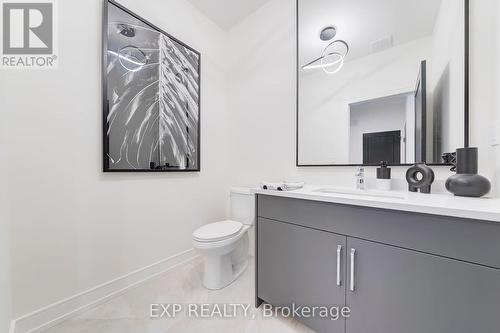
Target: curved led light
column 327, row 54
column 319, row 62
column 326, row 67
column 335, row 58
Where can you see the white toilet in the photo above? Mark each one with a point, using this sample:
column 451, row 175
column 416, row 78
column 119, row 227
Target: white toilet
column 224, row 245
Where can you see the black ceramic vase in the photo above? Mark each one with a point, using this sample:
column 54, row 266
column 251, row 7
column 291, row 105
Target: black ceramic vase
column 420, row 178
column 467, row 183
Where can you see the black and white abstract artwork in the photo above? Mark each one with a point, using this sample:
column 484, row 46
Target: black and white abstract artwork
column 152, row 97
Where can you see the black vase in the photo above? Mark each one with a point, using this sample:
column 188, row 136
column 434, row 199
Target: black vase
column 422, row 183
column 467, row 183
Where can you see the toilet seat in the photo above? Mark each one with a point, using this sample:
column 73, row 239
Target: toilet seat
column 217, row 231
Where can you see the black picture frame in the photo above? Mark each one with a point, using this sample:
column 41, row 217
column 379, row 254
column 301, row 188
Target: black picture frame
column 104, row 83
column 466, row 93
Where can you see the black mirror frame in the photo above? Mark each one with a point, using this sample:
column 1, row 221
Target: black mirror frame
column 466, row 94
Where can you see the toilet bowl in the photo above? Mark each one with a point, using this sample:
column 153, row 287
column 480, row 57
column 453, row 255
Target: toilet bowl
column 224, row 245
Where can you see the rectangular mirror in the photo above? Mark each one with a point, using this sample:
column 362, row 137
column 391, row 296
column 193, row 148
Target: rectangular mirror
column 151, row 96
column 381, row 80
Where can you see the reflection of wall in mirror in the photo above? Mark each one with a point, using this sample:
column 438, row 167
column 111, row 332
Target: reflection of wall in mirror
column 446, row 82
column 410, row 130
column 324, row 99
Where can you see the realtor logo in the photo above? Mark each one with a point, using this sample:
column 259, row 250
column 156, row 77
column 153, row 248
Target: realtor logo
column 28, row 34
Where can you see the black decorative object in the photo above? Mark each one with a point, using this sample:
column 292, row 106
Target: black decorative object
column 383, row 181
column 450, row 159
column 383, row 172
column 420, row 178
column 151, row 96
column 467, row 183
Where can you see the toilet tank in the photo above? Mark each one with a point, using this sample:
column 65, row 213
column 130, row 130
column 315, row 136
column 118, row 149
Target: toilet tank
column 243, row 205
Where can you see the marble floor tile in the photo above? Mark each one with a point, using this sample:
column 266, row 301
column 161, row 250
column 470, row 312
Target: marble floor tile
column 130, row 312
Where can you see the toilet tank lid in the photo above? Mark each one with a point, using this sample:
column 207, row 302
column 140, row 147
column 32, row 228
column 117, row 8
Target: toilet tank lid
column 242, row 190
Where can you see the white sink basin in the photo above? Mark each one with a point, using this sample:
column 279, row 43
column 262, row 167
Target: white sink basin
column 366, row 193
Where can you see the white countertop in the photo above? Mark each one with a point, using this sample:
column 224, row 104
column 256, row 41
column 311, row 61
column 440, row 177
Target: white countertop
column 438, row 204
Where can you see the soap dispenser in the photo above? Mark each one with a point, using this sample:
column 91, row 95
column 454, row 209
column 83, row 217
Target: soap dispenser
column 383, row 182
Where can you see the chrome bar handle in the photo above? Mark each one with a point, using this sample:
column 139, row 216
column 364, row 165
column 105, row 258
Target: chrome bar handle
column 339, row 251
column 353, row 252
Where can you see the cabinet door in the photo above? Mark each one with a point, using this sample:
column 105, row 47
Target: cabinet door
column 398, row 290
column 298, row 265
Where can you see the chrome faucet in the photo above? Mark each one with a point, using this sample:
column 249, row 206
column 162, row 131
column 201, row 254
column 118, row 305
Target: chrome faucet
column 360, row 178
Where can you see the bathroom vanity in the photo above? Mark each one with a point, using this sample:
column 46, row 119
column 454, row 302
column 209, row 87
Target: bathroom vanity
column 411, row 263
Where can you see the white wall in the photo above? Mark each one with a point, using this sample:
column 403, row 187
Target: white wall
column 483, row 84
column 73, row 226
column 5, row 266
column 496, row 130
column 263, row 93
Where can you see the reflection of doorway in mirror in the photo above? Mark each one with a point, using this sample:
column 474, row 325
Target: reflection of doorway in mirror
column 373, row 127
column 382, row 147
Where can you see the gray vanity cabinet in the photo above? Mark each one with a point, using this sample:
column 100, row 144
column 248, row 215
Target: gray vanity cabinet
column 399, row 272
column 299, row 266
column 398, row 290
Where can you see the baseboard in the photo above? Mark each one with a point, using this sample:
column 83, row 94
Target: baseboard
column 60, row 311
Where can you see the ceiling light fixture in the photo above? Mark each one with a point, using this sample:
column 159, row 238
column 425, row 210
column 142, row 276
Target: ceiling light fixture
column 328, row 33
column 332, row 59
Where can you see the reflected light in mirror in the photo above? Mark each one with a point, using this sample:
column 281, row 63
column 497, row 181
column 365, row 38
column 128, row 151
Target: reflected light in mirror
column 323, row 64
column 326, row 66
column 330, row 58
